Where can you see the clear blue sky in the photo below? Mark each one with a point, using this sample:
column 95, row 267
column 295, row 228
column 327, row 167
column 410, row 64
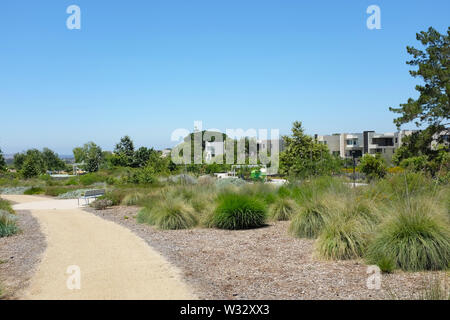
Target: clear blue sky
column 145, row 68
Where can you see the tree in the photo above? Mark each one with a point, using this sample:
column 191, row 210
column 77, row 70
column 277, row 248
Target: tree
column 93, row 156
column 304, row 157
column 141, row 157
column 90, row 154
column 2, row 162
column 52, row 160
column 432, row 107
column 373, row 166
column 33, row 164
column 124, row 152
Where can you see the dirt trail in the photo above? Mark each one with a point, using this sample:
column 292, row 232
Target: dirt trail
column 113, row 262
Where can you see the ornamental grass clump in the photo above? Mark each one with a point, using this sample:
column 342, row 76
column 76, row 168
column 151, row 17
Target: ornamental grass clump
column 283, row 209
column 239, row 211
column 416, row 236
column 343, row 237
column 8, row 224
column 172, row 215
column 309, row 222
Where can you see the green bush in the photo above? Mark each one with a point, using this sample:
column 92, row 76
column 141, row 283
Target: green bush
column 90, row 178
column 239, row 211
column 373, row 166
column 34, row 190
column 415, row 236
column 8, row 225
column 283, row 209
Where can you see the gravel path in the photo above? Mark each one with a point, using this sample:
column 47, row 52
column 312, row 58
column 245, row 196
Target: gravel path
column 113, row 262
column 19, row 255
column 263, row 263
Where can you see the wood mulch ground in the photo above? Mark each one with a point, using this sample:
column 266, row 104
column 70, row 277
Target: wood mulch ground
column 264, row 263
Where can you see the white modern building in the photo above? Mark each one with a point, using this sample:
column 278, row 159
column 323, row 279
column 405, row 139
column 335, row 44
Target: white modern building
column 347, row 144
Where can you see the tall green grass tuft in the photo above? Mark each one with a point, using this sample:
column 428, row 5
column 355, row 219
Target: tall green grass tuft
column 8, row 225
column 6, row 206
column 283, row 209
column 168, row 215
column 415, row 235
column 342, row 238
column 239, row 211
column 133, row 199
column 309, row 222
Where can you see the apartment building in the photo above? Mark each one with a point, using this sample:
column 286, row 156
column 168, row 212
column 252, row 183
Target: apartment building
column 347, row 144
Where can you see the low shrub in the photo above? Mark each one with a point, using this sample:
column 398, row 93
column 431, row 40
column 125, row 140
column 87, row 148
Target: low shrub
column 415, row 236
column 34, row 190
column 101, row 204
column 283, row 209
column 239, row 211
column 8, row 225
column 90, row 178
column 183, row 179
column 13, row 190
column 230, row 183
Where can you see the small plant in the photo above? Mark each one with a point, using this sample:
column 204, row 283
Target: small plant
column 385, row 263
column 415, row 236
column 101, row 204
column 283, row 209
column 8, row 225
column 239, row 211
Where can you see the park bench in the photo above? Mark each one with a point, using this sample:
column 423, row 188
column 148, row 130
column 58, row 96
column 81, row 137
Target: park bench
column 91, row 194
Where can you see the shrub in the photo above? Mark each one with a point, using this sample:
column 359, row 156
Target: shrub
column 56, row 191
column 308, row 223
column 230, row 182
column 374, row 167
column 239, row 211
column 101, row 204
column 90, row 179
column 282, row 209
column 414, row 236
column 34, row 190
column 183, row 179
column 342, row 238
column 8, row 225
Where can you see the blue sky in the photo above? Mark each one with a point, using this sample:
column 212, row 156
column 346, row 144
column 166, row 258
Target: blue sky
column 146, row 68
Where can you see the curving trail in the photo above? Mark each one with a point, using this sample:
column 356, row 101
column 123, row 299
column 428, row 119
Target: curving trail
column 114, row 263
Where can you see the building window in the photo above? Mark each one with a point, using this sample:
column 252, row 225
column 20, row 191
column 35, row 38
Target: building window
column 352, row 142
